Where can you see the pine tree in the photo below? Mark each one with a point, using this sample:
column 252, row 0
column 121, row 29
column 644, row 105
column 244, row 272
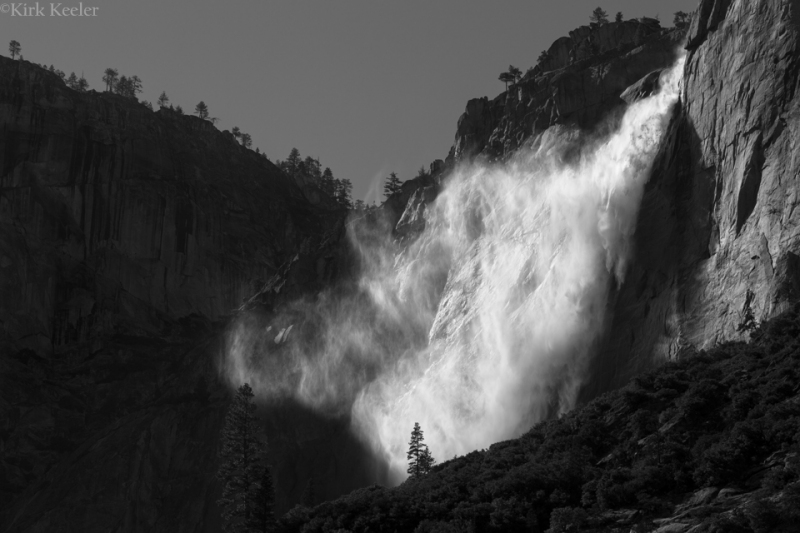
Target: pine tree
column 420, row 460
column 14, row 49
column 110, row 78
column 599, row 16
column 681, row 20
column 163, row 100
column 618, row 18
column 202, row 110
column 327, row 183
column 426, row 460
column 83, row 85
column 72, row 81
column 241, row 463
column 263, row 517
column 293, row 162
column 343, row 190
column 247, row 141
column 313, row 168
column 392, row 185
column 506, row 77
column 515, row 72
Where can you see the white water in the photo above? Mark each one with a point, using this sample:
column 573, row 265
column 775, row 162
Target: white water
column 484, row 324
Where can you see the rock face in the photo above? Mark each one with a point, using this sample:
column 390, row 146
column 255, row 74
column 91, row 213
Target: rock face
column 113, row 217
column 718, row 228
column 717, row 236
column 127, row 238
column 579, row 84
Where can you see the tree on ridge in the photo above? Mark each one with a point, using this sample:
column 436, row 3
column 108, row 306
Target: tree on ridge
column 420, row 460
column 599, row 16
column 201, row 109
column 15, row 49
column 110, row 78
column 392, row 185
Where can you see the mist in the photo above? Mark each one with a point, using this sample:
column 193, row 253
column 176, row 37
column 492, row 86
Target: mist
column 485, row 323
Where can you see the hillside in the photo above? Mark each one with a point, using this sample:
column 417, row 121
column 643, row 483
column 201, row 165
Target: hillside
column 706, row 443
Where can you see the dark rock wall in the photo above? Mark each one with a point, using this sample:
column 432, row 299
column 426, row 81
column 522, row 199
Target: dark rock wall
column 127, row 239
column 113, row 217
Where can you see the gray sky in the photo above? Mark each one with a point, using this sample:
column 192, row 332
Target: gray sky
column 367, row 86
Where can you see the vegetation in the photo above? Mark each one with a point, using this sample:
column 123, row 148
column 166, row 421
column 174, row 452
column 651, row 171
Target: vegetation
column 728, row 417
column 338, row 189
column 599, row 16
column 420, row 460
column 75, row 83
column 512, row 75
column 544, row 56
column 506, row 77
column 110, row 78
column 14, row 48
column 201, row 110
column 163, row 99
column 681, row 20
column 618, row 17
column 392, row 185
column 129, row 87
column 247, row 493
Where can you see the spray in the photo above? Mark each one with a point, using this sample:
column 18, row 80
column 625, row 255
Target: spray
column 484, row 324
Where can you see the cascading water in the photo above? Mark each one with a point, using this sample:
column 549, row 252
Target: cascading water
column 485, row 323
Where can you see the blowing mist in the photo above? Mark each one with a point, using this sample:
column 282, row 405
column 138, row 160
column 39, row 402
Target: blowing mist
column 485, row 323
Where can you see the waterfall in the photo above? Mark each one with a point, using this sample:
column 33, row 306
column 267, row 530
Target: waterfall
column 484, row 324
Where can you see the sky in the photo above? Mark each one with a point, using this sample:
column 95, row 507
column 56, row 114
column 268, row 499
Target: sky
column 366, row 86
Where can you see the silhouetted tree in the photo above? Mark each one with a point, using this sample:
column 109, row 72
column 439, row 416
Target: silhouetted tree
column 179, row 110
column 359, row 205
column 163, row 100
column 343, row 190
column 293, row 162
column 83, row 85
column 128, row 87
column 201, row 109
column 515, row 72
column 72, row 81
column 241, row 464
column 14, row 49
column 392, row 185
column 262, row 518
column 110, row 78
column 618, row 18
column 681, row 19
column 599, row 16
column 148, row 105
column 327, row 183
column 506, row 77
column 247, row 141
column 420, row 460
column 312, row 167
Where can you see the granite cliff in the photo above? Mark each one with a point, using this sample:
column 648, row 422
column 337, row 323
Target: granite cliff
column 717, row 233
column 127, row 240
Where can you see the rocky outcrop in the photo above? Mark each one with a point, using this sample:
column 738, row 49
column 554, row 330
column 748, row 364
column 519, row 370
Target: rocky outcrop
column 578, row 84
column 718, row 235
